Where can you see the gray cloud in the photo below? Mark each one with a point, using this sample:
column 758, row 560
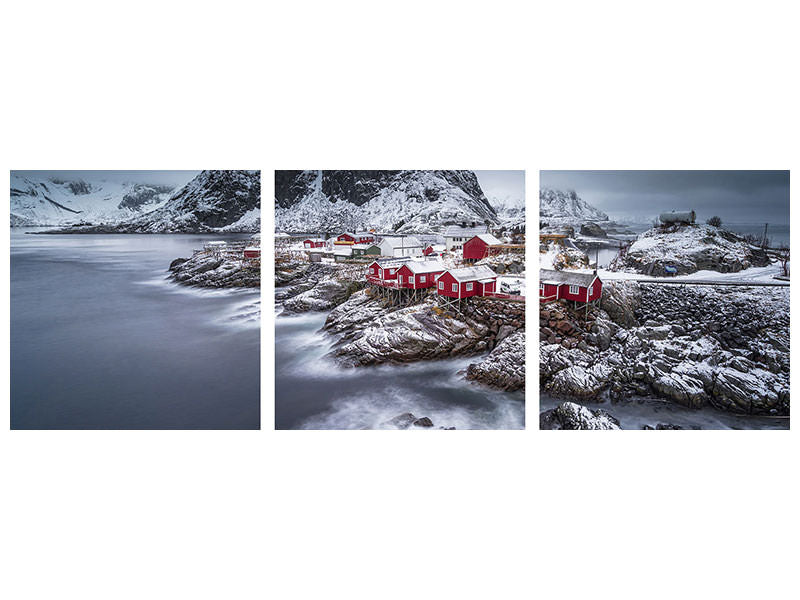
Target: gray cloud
column 736, row 196
column 176, row 178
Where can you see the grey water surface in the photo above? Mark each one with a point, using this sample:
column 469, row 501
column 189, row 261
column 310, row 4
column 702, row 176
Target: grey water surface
column 313, row 392
column 100, row 339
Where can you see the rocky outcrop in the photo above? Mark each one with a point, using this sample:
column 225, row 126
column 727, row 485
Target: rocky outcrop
column 323, row 295
column 506, row 263
column 569, row 415
column 408, row 421
column 304, row 287
column 371, row 333
column 697, row 346
column 504, row 368
column 690, row 248
column 593, row 230
column 205, row 270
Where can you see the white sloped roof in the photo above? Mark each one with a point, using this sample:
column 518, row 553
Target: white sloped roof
column 473, row 273
column 343, row 250
column 402, row 242
column 569, row 277
column 426, row 266
column 488, row 238
column 458, row 231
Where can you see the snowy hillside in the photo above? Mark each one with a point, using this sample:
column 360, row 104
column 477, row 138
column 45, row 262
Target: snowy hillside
column 510, row 210
column 690, row 248
column 566, row 208
column 212, row 201
column 42, row 201
column 399, row 201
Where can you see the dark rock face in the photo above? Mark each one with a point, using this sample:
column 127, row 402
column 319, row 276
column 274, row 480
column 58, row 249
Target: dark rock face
column 359, row 187
column 407, row 421
column 593, row 230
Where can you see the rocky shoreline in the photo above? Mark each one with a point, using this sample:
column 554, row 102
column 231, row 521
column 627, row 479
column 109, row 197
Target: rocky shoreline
column 695, row 345
column 208, row 271
column 371, row 333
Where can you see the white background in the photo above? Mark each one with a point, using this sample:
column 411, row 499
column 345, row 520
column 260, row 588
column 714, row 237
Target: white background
column 486, row 85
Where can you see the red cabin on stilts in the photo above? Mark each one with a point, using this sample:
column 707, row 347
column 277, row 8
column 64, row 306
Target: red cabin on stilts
column 569, row 285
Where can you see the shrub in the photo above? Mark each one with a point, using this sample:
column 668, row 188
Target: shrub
column 714, row 221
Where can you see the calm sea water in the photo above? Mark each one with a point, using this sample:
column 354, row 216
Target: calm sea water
column 99, row 339
column 312, row 392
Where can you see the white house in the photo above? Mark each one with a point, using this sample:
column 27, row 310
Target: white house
column 456, row 235
column 401, row 246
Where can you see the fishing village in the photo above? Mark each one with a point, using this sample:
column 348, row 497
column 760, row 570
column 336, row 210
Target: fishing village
column 391, row 299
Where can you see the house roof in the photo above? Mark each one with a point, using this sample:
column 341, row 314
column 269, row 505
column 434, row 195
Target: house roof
column 425, row 266
column 488, row 238
column 472, row 273
column 402, row 242
column 457, row 230
column 342, row 250
column 391, row 262
column 566, row 277
column 313, row 240
column 362, row 246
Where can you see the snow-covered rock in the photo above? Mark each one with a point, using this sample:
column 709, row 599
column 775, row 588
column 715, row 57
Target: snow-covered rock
column 569, row 415
column 697, row 346
column 204, row 270
column 391, row 201
column 504, row 368
column 324, row 295
column 689, row 248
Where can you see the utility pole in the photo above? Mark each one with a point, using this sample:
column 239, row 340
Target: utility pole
column 764, row 243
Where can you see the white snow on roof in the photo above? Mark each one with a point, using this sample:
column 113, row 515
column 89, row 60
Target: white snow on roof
column 402, row 242
column 458, row 231
column 488, row 238
column 472, row 273
column 342, row 250
column 425, row 266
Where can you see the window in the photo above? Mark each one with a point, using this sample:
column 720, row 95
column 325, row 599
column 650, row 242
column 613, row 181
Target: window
column 422, row 278
column 469, row 286
column 574, row 289
column 455, row 287
column 441, row 285
column 541, row 289
column 380, row 273
column 410, row 279
column 391, row 271
column 372, row 270
column 400, row 279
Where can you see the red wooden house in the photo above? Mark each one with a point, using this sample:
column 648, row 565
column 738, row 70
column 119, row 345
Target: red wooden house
column 479, row 246
column 314, row 243
column 363, row 237
column 466, row 282
column 384, row 272
column 419, row 274
column 569, row 285
column 252, row 252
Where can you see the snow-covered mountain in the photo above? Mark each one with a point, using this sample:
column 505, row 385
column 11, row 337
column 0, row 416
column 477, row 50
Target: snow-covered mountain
column 228, row 201
column 398, row 201
column 557, row 207
column 212, row 201
column 42, row 201
column 510, row 211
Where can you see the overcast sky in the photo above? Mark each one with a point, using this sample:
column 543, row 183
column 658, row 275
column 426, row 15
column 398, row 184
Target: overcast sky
column 735, row 196
column 176, row 178
column 503, row 184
